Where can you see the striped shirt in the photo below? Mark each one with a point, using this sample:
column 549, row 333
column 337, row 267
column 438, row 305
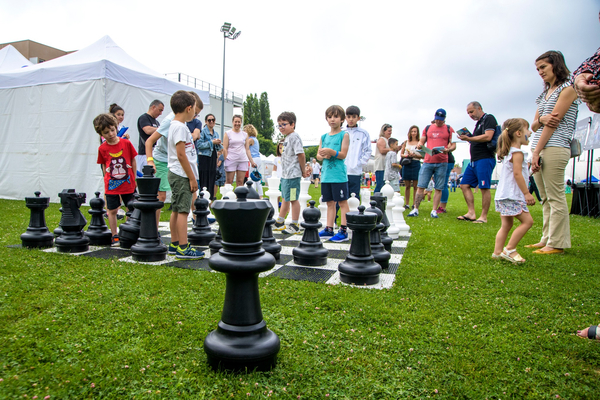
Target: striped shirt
column 566, row 128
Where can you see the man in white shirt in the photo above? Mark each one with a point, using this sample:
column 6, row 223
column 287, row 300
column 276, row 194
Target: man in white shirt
column 359, row 150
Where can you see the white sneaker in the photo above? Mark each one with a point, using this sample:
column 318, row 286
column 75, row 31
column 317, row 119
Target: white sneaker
column 413, row 213
column 434, row 214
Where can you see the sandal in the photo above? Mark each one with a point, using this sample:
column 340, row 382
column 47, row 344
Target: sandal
column 496, row 256
column 515, row 260
column 535, row 246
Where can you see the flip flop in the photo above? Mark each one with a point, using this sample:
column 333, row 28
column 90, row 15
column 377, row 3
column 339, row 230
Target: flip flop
column 479, row 221
column 553, row 251
column 464, row 218
column 535, row 246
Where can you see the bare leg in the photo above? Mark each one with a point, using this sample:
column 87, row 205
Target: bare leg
column 468, row 194
column 520, row 231
column 173, row 227
column 407, row 193
column 162, row 196
column 486, row 199
column 112, row 220
column 285, row 207
column 229, row 177
column 507, row 224
column 344, row 208
column 419, row 197
column 330, row 213
column 181, row 222
column 296, row 209
column 437, row 196
column 239, row 178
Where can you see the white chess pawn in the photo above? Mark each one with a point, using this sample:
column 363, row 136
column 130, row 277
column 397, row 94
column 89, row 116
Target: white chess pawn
column 303, row 198
column 388, row 191
column 353, row 202
column 206, row 194
column 225, row 189
column 273, row 193
column 323, row 208
column 403, row 228
column 365, row 197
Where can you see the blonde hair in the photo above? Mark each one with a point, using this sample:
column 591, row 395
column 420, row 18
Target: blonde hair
column 509, row 129
column 250, row 130
column 383, row 129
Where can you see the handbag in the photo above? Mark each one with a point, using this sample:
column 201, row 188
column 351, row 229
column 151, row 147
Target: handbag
column 575, row 148
column 405, row 161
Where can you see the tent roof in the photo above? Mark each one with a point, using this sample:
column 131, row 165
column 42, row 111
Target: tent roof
column 11, row 59
column 102, row 59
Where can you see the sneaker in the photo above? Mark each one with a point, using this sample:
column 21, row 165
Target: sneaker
column 114, row 241
column 278, row 226
column 339, row 237
column 413, row 213
column 292, row 229
column 326, row 233
column 189, row 253
column 441, row 210
column 120, row 214
column 434, row 214
column 172, row 249
column 211, row 220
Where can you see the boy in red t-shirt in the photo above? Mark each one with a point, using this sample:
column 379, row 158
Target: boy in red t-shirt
column 117, row 157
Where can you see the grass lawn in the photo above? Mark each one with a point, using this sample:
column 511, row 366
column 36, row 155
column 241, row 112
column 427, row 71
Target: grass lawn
column 456, row 324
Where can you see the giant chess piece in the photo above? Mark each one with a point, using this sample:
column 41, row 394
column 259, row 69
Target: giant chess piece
column 201, row 234
column 215, row 244
column 360, row 267
column 149, row 247
column 252, row 194
column 304, row 197
column 323, row 212
column 380, row 254
column 98, row 232
column 269, row 243
column 381, row 201
column 242, row 340
column 353, row 203
column 388, row 191
column 310, row 250
column 72, row 239
column 273, row 193
column 403, row 228
column 365, row 197
column 37, row 234
column 58, row 231
column 129, row 231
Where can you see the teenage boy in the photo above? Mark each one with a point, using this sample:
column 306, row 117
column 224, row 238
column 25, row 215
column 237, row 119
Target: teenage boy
column 160, row 152
column 183, row 173
column 293, row 168
column 333, row 148
column 117, row 157
column 147, row 125
column 359, row 150
column 392, row 168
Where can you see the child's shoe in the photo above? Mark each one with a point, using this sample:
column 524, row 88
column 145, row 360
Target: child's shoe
column 172, row 249
column 413, row 213
column 434, row 214
column 326, row 233
column 292, row 229
column 278, row 226
column 114, row 241
column 340, row 237
column 189, row 253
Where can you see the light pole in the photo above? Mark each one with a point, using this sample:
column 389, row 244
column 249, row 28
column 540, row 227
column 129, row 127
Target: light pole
column 229, row 32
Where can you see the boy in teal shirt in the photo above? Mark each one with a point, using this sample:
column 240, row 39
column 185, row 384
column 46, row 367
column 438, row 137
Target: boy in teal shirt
column 333, row 149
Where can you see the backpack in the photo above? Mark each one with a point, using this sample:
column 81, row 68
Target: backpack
column 492, row 144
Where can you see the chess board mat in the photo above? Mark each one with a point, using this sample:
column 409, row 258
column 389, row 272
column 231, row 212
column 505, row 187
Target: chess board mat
column 285, row 267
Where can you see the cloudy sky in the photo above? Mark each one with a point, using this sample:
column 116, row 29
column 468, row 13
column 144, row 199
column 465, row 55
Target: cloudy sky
column 398, row 61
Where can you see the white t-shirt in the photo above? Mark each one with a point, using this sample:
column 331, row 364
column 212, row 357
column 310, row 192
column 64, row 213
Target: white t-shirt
column 179, row 132
column 507, row 187
column 316, row 167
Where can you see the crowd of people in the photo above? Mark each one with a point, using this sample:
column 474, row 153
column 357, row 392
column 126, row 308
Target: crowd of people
column 187, row 155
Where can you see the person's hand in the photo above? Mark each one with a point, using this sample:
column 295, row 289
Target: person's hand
column 193, row 185
column 464, row 137
column 419, row 146
column 216, row 141
column 529, row 199
column 151, row 163
column 535, row 163
column 126, row 136
column 253, row 164
column 550, row 120
column 589, row 93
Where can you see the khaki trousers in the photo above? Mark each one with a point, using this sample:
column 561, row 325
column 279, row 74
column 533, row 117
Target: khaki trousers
column 550, row 180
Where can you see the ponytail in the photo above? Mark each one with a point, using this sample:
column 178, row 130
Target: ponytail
column 503, row 146
column 509, row 128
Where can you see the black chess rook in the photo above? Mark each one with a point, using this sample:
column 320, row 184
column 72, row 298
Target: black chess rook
column 37, row 234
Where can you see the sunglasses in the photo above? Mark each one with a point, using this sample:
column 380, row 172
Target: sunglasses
column 210, row 120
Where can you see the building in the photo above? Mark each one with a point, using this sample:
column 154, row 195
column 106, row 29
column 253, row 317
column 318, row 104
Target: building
column 36, row 52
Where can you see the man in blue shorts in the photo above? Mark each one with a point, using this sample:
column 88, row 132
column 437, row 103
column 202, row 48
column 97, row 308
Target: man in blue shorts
column 483, row 161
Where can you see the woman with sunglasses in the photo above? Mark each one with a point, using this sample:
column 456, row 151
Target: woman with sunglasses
column 208, row 144
column 381, row 149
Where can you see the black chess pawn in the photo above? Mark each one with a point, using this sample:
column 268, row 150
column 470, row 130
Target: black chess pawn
column 310, row 251
column 72, row 222
column 98, row 232
column 360, row 267
column 37, row 234
column 242, row 340
column 269, row 243
column 129, row 231
column 201, row 234
column 380, row 254
column 252, row 193
column 381, row 201
column 58, row 231
column 149, row 247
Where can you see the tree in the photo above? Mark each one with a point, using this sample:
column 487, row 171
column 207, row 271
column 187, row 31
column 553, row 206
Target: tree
column 266, row 127
column 252, row 111
column 258, row 113
column 311, row 152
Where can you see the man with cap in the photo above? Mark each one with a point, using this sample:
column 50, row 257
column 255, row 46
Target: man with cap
column 438, row 138
column 480, row 168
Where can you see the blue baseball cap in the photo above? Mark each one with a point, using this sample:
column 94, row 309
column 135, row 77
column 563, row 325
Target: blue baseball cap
column 440, row 114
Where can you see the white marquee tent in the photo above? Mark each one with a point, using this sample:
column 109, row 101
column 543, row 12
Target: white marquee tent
column 46, row 113
column 10, row 59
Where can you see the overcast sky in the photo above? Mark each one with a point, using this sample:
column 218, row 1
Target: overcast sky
column 398, row 61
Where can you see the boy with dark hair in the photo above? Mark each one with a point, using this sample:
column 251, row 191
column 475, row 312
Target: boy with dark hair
column 392, row 168
column 333, row 148
column 183, row 173
column 293, row 168
column 359, row 150
column 117, row 157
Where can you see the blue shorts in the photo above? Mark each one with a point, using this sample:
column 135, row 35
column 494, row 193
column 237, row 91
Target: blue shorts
column 334, row 191
column 437, row 170
column 290, row 189
column 479, row 173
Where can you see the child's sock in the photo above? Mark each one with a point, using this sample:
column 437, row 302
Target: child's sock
column 329, row 228
column 343, row 228
column 183, row 246
column 280, row 220
column 175, row 244
column 295, row 222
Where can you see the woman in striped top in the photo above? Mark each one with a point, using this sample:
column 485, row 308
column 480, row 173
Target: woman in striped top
column 554, row 125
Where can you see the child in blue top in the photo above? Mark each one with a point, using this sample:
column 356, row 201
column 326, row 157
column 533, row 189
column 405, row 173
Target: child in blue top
column 333, row 148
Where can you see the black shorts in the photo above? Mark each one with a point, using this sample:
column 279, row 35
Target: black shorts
column 315, row 176
column 113, row 201
column 334, row 191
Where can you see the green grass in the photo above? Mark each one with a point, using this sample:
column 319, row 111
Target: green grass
column 455, row 325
